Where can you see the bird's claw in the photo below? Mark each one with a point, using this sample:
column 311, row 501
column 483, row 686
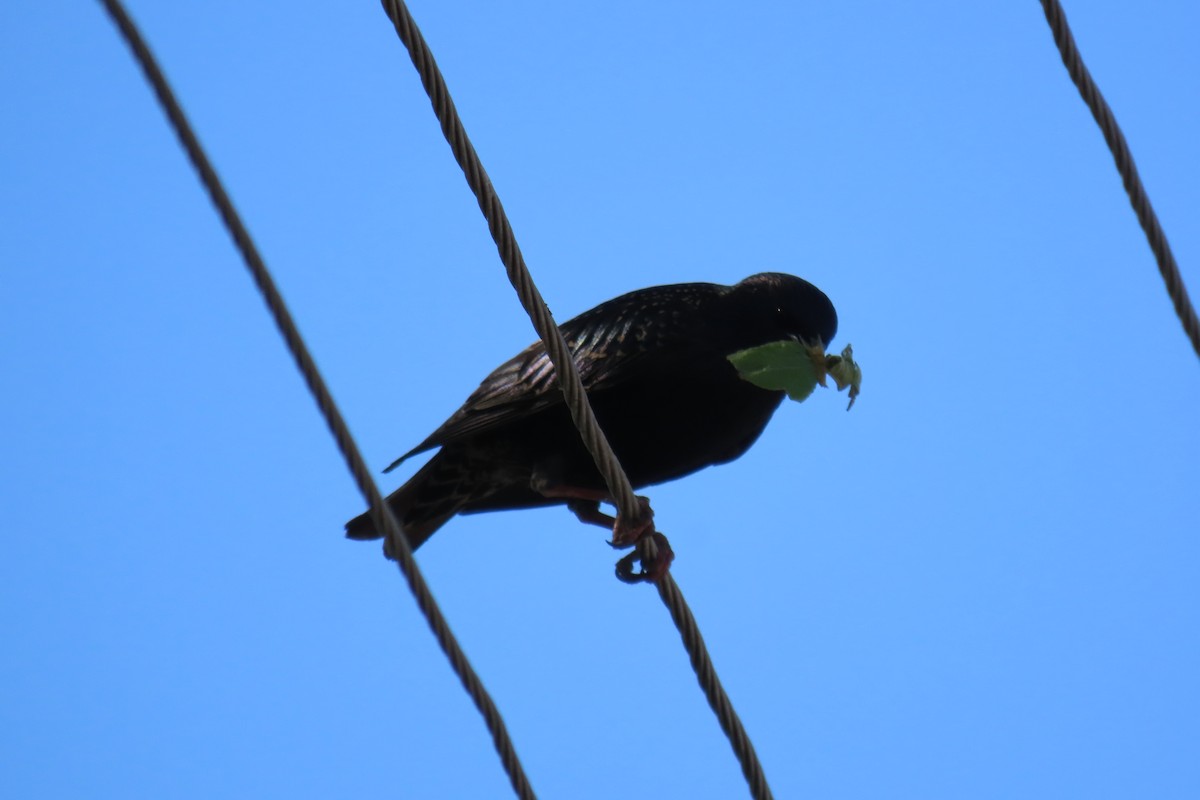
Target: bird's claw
column 627, row 533
column 655, row 554
column 653, row 550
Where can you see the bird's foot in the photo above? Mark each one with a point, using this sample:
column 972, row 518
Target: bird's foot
column 626, row 533
column 655, row 554
column 652, row 548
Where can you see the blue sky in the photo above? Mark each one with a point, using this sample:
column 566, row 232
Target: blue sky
column 981, row 582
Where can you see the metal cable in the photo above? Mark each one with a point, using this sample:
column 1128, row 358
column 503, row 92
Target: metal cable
column 514, row 262
column 1129, row 175
column 381, row 515
column 706, row 675
column 572, row 387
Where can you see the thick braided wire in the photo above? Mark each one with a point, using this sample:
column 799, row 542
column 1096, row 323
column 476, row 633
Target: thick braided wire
column 714, row 692
column 381, row 515
column 1129, row 174
column 514, row 261
column 572, row 386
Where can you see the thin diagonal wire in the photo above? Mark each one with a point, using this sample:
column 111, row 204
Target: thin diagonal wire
column 380, row 514
column 1129, row 174
column 710, row 683
column 572, row 386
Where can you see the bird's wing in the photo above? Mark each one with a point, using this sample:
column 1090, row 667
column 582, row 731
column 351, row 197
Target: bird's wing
column 610, row 344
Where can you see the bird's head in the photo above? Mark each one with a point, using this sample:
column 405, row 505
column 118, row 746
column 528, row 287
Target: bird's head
column 774, row 306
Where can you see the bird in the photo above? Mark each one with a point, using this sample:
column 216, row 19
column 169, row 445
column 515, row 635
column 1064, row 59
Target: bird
column 655, row 366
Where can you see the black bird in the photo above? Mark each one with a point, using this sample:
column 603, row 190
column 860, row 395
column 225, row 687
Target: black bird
column 654, row 365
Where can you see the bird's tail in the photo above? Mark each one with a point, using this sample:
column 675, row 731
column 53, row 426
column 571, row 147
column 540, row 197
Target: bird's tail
column 422, row 505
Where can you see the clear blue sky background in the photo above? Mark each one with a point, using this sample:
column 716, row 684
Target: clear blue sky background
column 979, row 583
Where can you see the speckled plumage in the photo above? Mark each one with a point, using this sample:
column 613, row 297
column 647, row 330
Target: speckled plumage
column 654, row 364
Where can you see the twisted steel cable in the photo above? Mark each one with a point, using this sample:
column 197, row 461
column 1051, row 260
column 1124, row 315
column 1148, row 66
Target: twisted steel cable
column 572, row 386
column 710, row 683
column 1115, row 139
column 514, row 261
column 381, row 515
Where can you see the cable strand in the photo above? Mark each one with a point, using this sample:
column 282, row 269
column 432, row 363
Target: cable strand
column 1115, row 139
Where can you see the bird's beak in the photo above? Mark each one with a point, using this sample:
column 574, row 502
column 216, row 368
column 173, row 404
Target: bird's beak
column 843, row 369
column 816, row 354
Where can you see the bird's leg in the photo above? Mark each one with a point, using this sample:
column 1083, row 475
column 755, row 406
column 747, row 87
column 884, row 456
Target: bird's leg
column 585, row 505
column 652, row 548
column 589, row 513
column 654, row 566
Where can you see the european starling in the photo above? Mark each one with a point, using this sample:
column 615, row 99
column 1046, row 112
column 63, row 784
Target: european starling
column 654, row 363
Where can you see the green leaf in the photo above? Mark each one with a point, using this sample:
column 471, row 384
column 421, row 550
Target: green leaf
column 797, row 368
column 845, row 371
column 786, row 366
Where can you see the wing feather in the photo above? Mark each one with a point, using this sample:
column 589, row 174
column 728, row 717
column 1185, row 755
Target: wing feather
column 610, row 343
